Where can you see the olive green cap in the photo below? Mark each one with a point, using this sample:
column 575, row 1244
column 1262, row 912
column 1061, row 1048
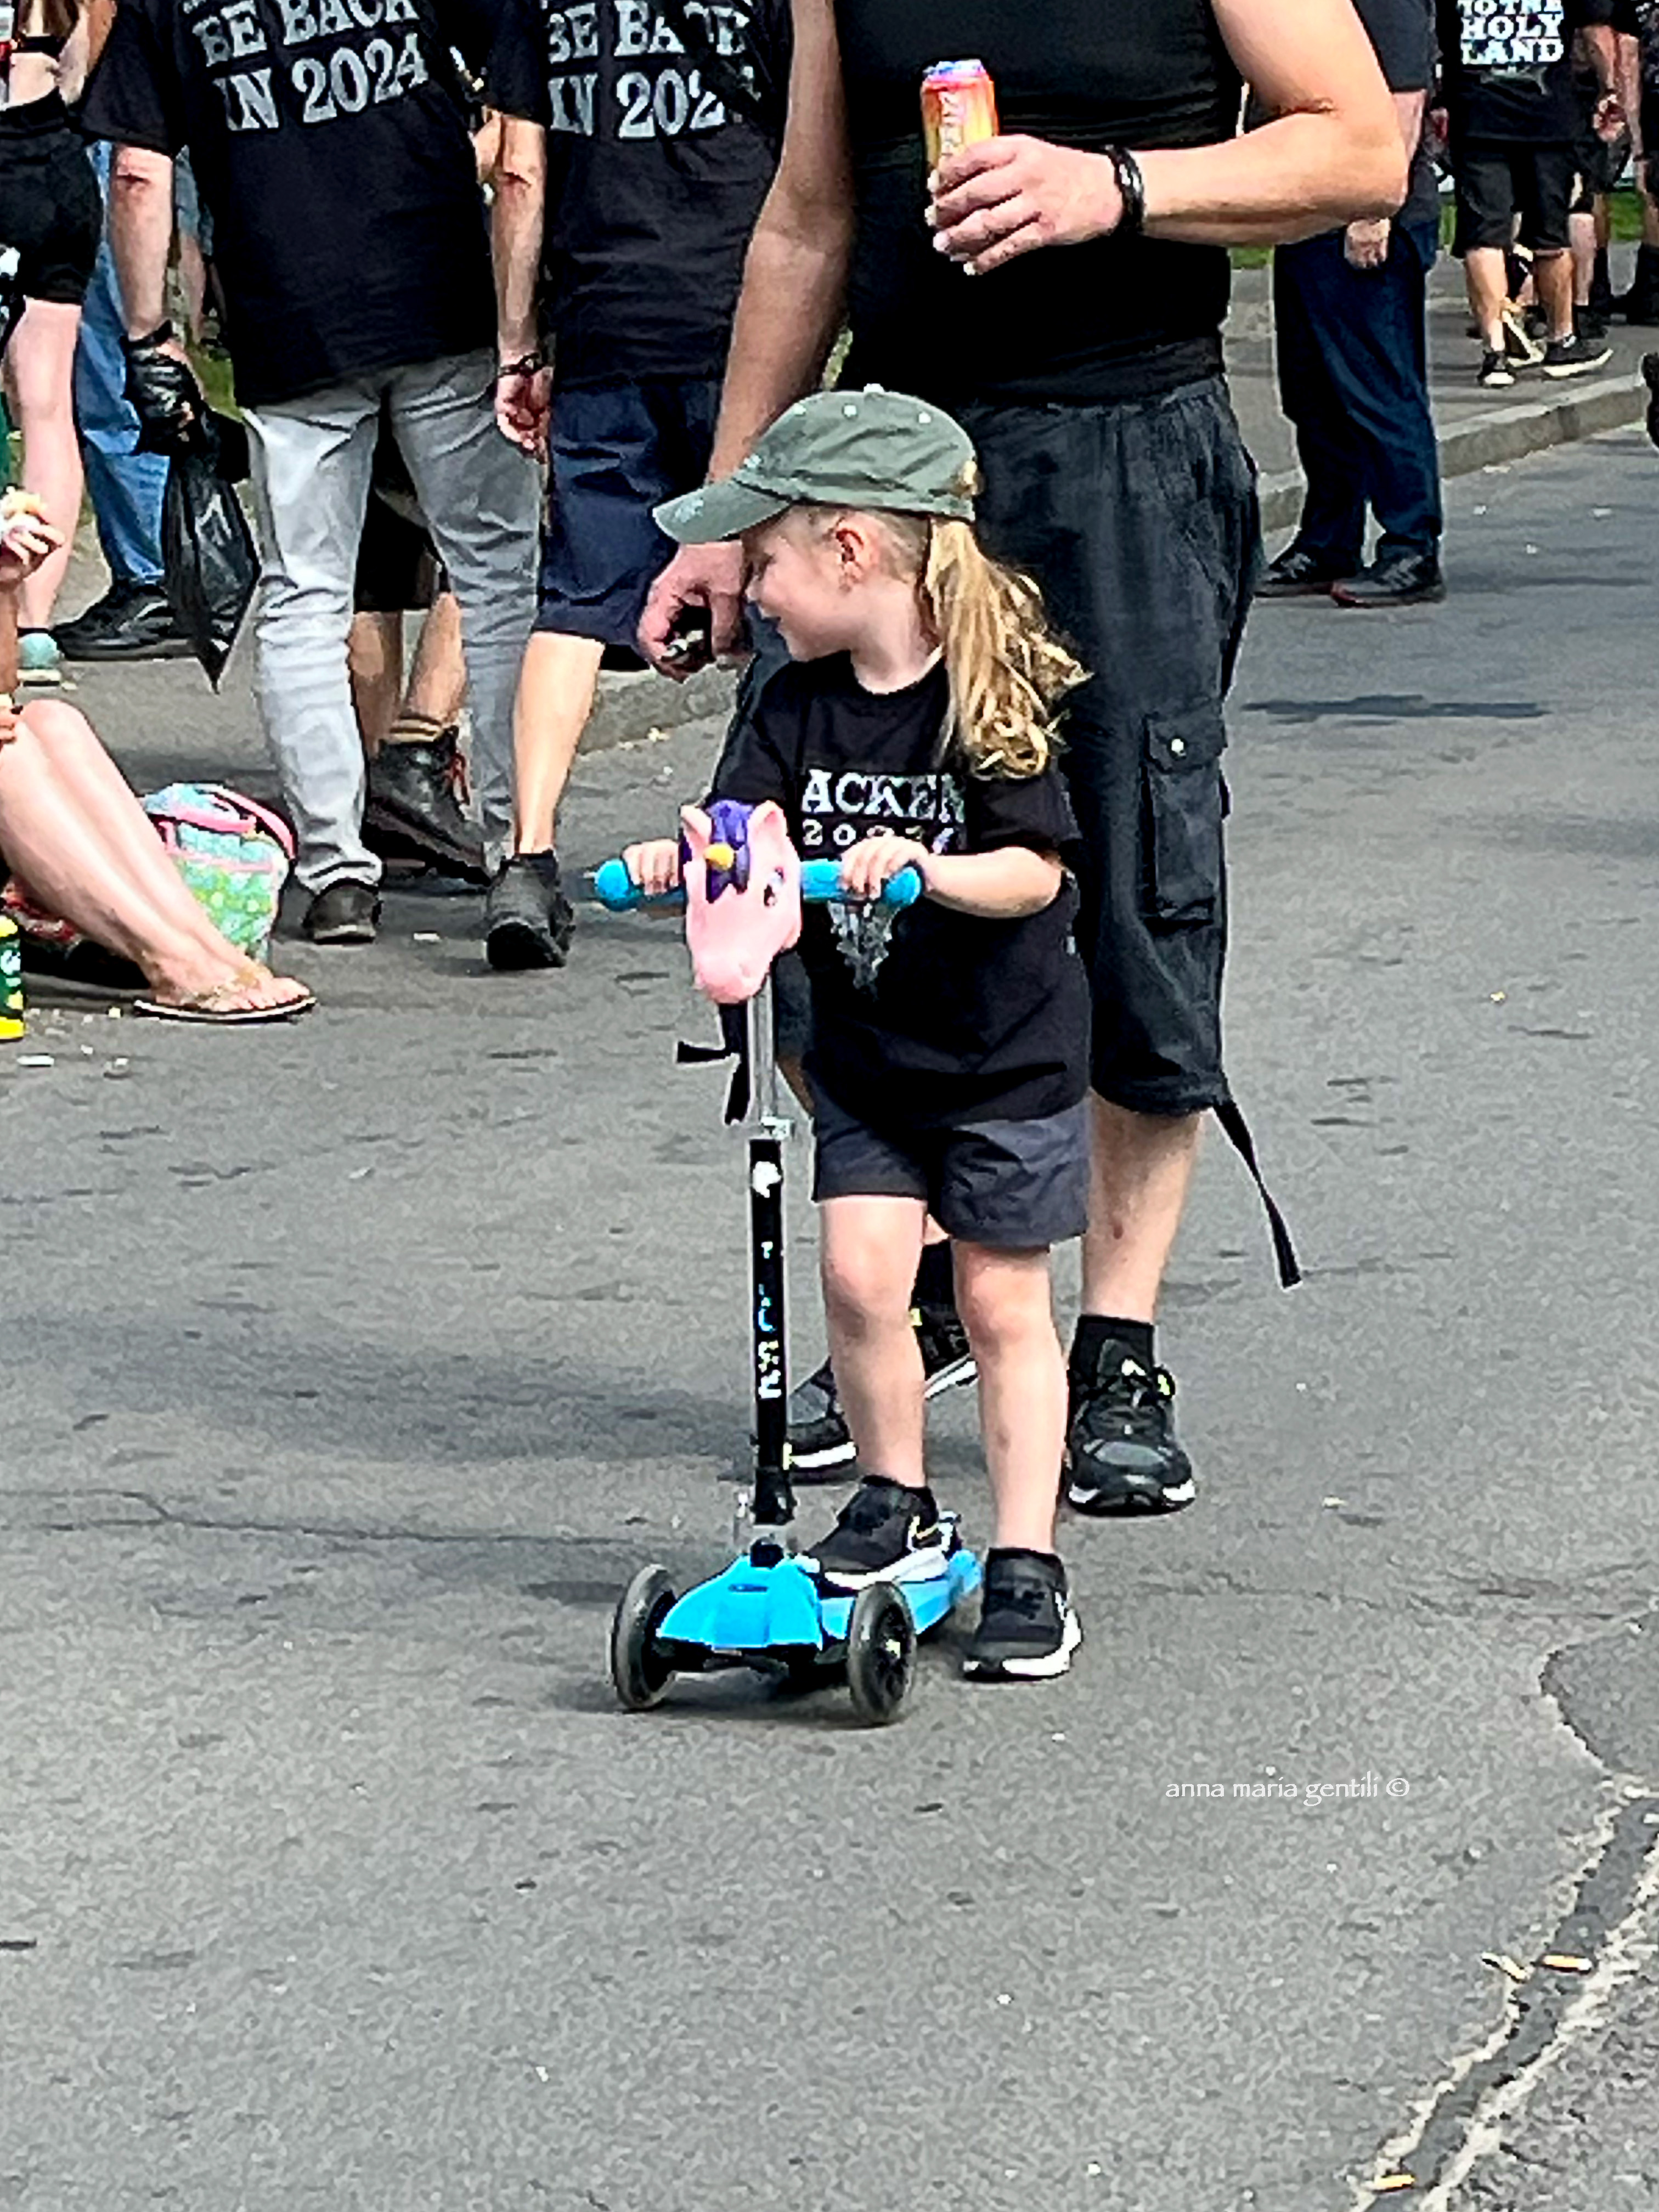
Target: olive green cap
column 882, row 451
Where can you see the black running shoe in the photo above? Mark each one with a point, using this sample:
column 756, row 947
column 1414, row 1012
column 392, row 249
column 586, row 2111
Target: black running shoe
column 1573, row 356
column 1121, row 1437
column 819, row 1435
column 527, row 917
column 1027, row 1630
column 1496, row 374
column 885, row 1533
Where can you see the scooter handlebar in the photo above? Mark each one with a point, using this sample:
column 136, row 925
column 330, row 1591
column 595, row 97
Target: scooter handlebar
column 820, row 881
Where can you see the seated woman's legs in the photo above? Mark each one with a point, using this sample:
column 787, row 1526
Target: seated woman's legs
column 74, row 834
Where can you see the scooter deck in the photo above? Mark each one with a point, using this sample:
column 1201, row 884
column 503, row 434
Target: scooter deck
column 754, row 1612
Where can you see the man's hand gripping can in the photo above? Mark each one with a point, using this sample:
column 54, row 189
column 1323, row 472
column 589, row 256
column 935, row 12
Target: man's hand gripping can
column 958, row 109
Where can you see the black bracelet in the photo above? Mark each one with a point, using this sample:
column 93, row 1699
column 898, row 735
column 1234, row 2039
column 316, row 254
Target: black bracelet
column 526, row 365
column 160, row 336
column 1132, row 191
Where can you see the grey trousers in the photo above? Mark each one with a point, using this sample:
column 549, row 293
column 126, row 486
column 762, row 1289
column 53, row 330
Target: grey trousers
column 481, row 497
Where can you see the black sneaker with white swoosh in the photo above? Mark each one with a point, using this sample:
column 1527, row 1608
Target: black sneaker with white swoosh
column 1027, row 1630
column 885, row 1533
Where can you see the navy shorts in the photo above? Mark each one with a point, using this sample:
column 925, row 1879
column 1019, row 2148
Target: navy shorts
column 614, row 451
column 1011, row 1186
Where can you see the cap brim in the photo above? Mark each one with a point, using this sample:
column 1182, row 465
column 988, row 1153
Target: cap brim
column 718, row 511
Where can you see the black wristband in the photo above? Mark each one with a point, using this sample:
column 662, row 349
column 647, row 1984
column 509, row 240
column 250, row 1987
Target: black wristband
column 1132, row 191
column 162, row 335
column 529, row 364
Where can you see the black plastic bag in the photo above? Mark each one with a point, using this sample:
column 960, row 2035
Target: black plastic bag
column 208, row 563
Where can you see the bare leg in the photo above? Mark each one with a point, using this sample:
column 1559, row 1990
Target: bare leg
column 1006, row 1302
column 374, row 655
column 1580, row 228
column 555, row 698
column 81, row 844
column 1140, row 1166
column 1487, row 279
column 870, row 1248
column 437, row 682
column 39, row 363
column 1552, row 276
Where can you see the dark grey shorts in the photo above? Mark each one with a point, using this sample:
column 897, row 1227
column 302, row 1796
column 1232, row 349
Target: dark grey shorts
column 1139, row 520
column 1013, row 1186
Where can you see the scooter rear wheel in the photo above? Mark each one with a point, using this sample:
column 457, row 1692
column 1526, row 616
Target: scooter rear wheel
column 639, row 1667
column 881, row 1654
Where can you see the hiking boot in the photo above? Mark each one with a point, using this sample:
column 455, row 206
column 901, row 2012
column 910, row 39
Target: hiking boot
column 819, row 1435
column 1121, row 1440
column 1027, row 1630
column 527, row 917
column 416, row 806
column 131, row 621
column 885, row 1533
column 346, row 913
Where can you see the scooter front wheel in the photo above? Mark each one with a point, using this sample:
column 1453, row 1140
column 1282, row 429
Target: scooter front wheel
column 881, row 1654
column 640, row 1668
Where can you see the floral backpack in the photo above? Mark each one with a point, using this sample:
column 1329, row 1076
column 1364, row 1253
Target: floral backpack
column 233, row 853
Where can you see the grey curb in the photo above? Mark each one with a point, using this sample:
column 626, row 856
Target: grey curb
column 633, row 708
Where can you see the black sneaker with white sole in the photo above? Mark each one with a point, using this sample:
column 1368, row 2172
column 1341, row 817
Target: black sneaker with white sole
column 819, row 1435
column 1121, row 1439
column 885, row 1533
column 1496, row 374
column 1575, row 356
column 1027, row 1630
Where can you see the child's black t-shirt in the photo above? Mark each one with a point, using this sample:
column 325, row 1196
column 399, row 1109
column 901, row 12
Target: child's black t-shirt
column 921, row 1016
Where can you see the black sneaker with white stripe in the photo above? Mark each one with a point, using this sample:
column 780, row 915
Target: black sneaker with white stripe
column 819, row 1435
column 885, row 1533
column 1120, row 1438
column 1027, row 1630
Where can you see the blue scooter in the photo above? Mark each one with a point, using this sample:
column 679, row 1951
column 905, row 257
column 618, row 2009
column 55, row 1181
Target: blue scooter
column 769, row 1611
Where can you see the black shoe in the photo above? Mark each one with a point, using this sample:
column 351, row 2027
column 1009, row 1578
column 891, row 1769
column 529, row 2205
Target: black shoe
column 347, row 913
column 1590, row 328
column 1121, row 1437
column 1394, row 580
column 417, row 794
column 131, row 621
column 527, row 917
column 885, row 1533
column 1572, row 357
column 1299, row 573
column 1650, row 378
column 1027, row 1630
column 1496, row 374
column 819, row 1435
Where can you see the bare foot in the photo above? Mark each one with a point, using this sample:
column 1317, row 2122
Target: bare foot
column 248, row 989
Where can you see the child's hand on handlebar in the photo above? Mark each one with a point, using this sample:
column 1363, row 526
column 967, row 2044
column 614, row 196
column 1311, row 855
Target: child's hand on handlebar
column 655, row 866
column 867, row 865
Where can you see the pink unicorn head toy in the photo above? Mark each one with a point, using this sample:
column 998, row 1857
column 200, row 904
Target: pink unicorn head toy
column 742, row 877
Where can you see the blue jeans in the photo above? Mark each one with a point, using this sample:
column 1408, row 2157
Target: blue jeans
column 1352, row 377
column 125, row 486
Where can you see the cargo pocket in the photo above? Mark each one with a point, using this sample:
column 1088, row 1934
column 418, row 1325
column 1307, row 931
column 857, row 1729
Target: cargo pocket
column 1185, row 803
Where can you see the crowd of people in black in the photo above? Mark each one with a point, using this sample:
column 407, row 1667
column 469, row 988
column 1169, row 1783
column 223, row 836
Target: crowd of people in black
column 498, row 280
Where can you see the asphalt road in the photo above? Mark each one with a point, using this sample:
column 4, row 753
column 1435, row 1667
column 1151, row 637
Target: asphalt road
column 352, row 1367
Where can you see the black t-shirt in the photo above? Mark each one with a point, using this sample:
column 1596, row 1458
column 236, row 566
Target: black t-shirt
column 920, row 1017
column 1116, row 318
column 654, row 181
column 1403, row 34
column 330, row 142
column 1508, row 67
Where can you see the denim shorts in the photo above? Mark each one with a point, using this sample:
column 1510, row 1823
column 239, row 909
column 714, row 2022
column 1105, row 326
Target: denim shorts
column 614, row 451
column 1011, row 1186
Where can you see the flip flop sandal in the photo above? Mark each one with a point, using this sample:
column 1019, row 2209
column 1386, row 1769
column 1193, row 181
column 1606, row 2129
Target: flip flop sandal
column 203, row 1009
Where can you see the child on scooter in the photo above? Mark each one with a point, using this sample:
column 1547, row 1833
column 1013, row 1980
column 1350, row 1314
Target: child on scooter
column 914, row 729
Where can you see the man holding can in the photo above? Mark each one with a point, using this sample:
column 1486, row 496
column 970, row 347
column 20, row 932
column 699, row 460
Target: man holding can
column 1061, row 288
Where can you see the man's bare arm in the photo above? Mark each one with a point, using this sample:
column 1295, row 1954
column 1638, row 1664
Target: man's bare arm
column 517, row 216
column 1331, row 154
column 141, row 234
column 794, row 278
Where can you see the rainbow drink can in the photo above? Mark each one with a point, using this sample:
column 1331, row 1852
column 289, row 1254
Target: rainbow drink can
column 12, row 1024
column 958, row 109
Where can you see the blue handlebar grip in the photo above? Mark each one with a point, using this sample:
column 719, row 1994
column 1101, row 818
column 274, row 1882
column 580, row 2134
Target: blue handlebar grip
column 821, row 880
column 614, row 887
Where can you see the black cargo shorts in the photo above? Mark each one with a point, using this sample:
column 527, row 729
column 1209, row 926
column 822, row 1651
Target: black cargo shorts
column 1138, row 522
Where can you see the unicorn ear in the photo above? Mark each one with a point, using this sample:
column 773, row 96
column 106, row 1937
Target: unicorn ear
column 696, row 830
